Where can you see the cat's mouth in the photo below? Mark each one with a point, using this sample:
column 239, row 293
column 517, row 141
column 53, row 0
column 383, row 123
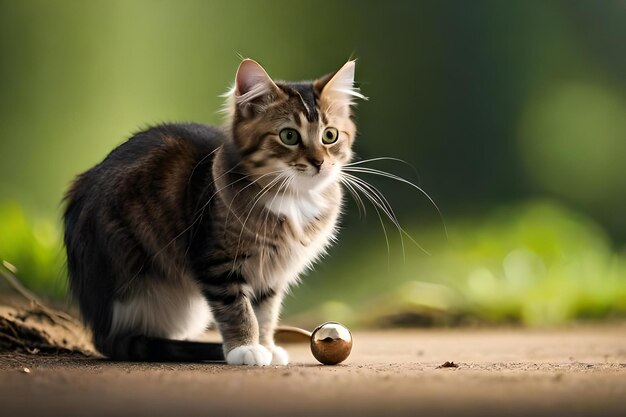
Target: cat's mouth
column 312, row 172
column 309, row 179
column 306, row 169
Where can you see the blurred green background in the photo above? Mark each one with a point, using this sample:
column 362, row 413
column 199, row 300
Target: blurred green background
column 512, row 113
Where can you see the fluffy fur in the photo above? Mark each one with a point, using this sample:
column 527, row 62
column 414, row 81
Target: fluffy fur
column 186, row 224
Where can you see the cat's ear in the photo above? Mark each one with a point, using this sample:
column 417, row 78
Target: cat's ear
column 337, row 91
column 252, row 84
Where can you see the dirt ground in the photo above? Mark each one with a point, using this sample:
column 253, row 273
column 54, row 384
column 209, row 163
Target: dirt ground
column 574, row 371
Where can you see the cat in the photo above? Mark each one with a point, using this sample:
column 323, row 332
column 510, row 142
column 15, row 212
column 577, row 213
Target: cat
column 185, row 224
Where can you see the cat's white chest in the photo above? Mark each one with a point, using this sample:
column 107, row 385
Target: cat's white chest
column 299, row 210
column 301, row 250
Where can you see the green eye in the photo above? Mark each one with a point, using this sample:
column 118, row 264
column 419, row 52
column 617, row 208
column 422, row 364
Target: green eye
column 289, row 136
column 330, row 135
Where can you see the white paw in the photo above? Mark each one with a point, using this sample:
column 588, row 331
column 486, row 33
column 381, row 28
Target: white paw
column 249, row 355
column 279, row 356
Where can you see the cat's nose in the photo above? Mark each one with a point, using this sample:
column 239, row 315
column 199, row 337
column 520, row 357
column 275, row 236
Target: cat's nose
column 316, row 162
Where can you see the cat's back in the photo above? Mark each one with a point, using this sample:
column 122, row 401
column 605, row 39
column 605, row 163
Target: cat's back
column 145, row 191
column 179, row 143
column 157, row 159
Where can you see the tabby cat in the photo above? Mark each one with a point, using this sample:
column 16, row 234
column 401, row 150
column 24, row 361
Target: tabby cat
column 185, row 225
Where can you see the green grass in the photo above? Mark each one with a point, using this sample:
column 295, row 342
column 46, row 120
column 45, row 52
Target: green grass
column 34, row 247
column 535, row 264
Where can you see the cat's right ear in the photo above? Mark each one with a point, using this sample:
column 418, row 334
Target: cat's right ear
column 337, row 90
column 253, row 87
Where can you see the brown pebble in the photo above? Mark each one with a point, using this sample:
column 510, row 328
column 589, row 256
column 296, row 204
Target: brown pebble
column 447, row 364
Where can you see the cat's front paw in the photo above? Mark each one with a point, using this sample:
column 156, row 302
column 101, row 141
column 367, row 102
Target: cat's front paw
column 249, row 355
column 279, row 356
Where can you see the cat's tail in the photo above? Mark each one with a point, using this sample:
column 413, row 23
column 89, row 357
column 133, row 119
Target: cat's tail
column 154, row 349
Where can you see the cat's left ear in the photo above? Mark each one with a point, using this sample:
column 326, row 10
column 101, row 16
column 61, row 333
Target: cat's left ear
column 253, row 86
column 337, row 90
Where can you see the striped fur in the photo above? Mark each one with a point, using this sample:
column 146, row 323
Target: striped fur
column 186, row 224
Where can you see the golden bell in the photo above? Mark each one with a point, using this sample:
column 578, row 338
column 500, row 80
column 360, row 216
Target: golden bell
column 331, row 343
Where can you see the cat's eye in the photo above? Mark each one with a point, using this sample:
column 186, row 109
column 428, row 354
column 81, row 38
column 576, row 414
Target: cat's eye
column 330, row 135
column 289, row 136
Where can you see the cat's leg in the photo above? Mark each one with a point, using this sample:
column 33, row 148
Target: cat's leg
column 235, row 318
column 267, row 309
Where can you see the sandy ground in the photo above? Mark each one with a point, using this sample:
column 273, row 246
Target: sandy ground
column 576, row 371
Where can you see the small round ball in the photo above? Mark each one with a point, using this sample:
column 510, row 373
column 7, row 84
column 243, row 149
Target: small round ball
column 331, row 343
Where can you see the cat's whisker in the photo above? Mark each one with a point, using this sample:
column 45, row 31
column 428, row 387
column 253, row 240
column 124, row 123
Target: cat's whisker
column 202, row 160
column 255, row 200
column 285, row 185
column 252, row 203
column 258, row 195
column 355, row 196
column 201, row 209
column 200, row 212
column 385, row 206
column 381, row 158
column 205, row 205
column 229, row 208
column 382, row 223
column 378, row 198
column 372, row 171
column 392, row 217
column 282, row 199
column 197, row 217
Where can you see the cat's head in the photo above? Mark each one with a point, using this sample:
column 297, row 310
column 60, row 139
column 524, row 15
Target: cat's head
column 297, row 130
